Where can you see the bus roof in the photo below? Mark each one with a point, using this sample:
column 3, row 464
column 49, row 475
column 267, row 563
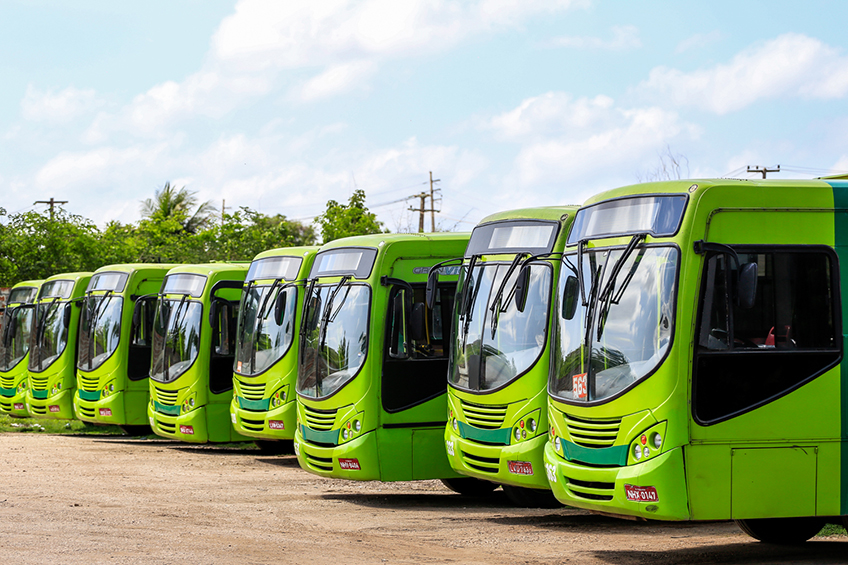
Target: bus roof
column 538, row 213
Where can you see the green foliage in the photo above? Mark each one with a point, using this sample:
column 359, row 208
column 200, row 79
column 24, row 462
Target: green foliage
column 48, row 426
column 341, row 220
column 246, row 232
column 176, row 204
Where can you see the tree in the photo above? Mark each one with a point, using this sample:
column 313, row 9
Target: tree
column 344, row 221
column 170, row 203
column 671, row 167
column 245, row 233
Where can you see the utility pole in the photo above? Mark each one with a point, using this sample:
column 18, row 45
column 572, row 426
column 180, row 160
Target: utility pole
column 423, row 196
column 223, row 210
column 763, row 170
column 432, row 205
column 51, row 203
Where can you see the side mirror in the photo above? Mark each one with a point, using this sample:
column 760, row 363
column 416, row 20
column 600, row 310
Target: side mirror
column 522, row 285
column 746, row 290
column 280, row 306
column 397, row 331
column 66, row 315
column 314, row 313
column 214, row 310
column 418, row 323
column 136, row 317
column 10, row 329
column 570, row 297
column 432, row 286
column 219, row 319
column 164, row 311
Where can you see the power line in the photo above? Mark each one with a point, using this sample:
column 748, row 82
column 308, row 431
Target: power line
column 51, row 203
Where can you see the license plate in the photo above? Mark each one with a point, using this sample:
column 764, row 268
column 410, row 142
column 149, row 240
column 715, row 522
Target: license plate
column 579, row 385
column 105, row 411
column 188, row 430
column 55, row 408
column 520, row 467
column 349, row 464
column 276, row 425
column 641, row 494
column 19, row 406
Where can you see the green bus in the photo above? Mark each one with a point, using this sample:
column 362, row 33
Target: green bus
column 113, row 359
column 193, row 337
column 14, row 347
column 53, row 346
column 264, row 403
column 697, row 369
column 497, row 393
column 373, row 358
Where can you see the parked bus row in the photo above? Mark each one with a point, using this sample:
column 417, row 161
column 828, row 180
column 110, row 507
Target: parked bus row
column 669, row 351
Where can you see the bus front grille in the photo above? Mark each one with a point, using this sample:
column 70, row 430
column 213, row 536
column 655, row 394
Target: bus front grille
column 589, row 490
column 592, row 433
column 87, row 412
column 6, row 406
column 253, row 425
column 484, row 464
column 167, row 397
column 251, row 391
column 7, row 382
column 319, row 419
column 482, row 416
column 38, row 383
column 38, row 409
column 320, row 463
column 88, row 383
column 166, row 427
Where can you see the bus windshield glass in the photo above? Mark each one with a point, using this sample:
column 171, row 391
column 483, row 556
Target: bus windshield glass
column 15, row 339
column 22, row 295
column 285, row 268
column 656, row 215
column 56, row 289
column 176, row 338
column 108, row 281
column 334, row 337
column 617, row 330
column 51, row 335
column 261, row 342
column 514, row 236
column 184, row 283
column 100, row 329
column 495, row 343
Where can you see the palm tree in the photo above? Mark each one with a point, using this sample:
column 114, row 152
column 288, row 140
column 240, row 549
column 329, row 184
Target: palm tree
column 178, row 203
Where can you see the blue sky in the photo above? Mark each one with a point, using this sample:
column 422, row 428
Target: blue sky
column 280, row 106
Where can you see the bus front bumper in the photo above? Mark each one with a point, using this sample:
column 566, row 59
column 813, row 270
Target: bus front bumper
column 190, row 427
column 275, row 424
column 355, row 460
column 520, row 465
column 14, row 404
column 654, row 489
column 109, row 410
column 60, row 406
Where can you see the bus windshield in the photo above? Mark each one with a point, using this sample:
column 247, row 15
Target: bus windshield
column 100, row 329
column 15, row 340
column 261, row 342
column 51, row 335
column 176, row 338
column 616, row 329
column 334, row 337
column 494, row 342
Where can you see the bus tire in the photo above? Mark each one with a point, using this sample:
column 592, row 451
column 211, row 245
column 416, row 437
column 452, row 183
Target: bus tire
column 531, row 497
column 782, row 531
column 275, row 447
column 137, row 430
column 468, row 486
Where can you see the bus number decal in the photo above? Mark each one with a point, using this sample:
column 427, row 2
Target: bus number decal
column 349, row 464
column 449, row 447
column 550, row 470
column 641, row 494
column 187, row 430
column 520, row 467
column 105, row 411
column 276, row 425
column 19, row 405
column 579, row 385
column 55, row 408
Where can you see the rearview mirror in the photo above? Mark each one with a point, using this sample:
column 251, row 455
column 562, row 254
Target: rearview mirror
column 522, row 285
column 746, row 290
column 432, row 286
column 570, row 296
column 280, row 306
column 66, row 315
column 418, row 323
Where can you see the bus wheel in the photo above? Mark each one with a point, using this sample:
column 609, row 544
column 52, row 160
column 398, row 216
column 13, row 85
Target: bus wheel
column 531, row 497
column 137, row 430
column 783, row 531
column 468, row 486
column 275, row 447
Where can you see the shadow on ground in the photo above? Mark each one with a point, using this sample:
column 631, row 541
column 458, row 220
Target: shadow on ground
column 754, row 552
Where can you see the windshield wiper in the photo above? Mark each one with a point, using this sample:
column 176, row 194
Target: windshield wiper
column 496, row 308
column 92, row 324
column 165, row 366
column 322, row 331
column 307, row 312
column 604, row 299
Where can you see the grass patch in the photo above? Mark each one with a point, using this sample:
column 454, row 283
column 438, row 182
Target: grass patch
column 49, row 426
column 832, row 530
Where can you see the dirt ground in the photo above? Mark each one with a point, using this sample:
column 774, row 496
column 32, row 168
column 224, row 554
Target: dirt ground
column 84, row 499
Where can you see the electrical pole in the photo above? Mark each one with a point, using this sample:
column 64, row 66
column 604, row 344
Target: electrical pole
column 223, row 210
column 763, row 170
column 423, row 196
column 432, row 205
column 51, row 203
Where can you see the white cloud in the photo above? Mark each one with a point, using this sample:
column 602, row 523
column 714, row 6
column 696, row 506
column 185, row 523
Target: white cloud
column 336, row 80
column 62, row 106
column 791, row 65
column 623, row 37
column 699, row 40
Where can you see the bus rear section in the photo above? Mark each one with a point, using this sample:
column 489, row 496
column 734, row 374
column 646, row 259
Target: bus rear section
column 497, row 396
column 699, row 375
column 191, row 372
column 14, row 347
column 373, row 359
column 53, row 346
column 113, row 361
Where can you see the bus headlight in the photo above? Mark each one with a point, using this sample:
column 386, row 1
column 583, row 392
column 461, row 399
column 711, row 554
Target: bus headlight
column 637, row 452
column 108, row 389
column 557, row 444
column 189, row 403
column 22, row 386
column 647, row 444
column 352, row 427
column 657, row 441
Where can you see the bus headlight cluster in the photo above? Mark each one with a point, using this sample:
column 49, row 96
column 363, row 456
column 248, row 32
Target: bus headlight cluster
column 278, row 398
column 527, row 426
column 57, row 388
column 189, row 403
column 352, row 427
column 22, row 386
column 647, row 444
column 107, row 390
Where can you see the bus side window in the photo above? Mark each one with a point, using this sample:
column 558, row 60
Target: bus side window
column 747, row 357
column 224, row 319
column 142, row 327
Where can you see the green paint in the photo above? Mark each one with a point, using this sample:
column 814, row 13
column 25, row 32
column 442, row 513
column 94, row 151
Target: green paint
column 500, row 436
column 7, row 392
column 40, row 394
column 255, row 405
column 616, row 455
column 85, row 395
column 166, row 409
column 328, row 437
